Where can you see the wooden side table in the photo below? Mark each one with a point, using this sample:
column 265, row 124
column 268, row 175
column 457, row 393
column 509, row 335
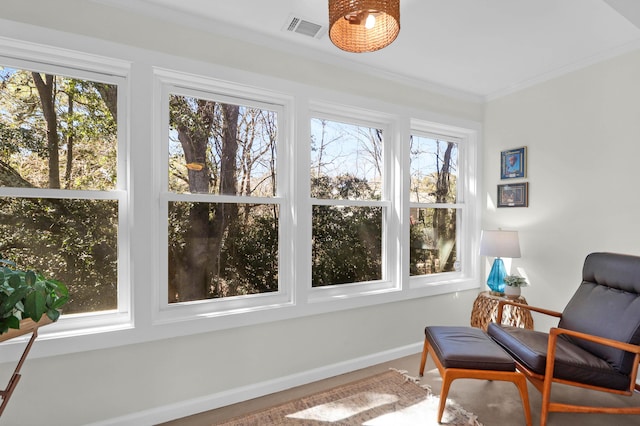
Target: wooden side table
column 485, row 310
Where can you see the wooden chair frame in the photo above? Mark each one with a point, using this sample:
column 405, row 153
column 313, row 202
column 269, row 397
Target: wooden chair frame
column 543, row 382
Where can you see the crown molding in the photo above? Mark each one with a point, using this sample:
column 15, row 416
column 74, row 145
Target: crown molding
column 153, row 10
column 576, row 66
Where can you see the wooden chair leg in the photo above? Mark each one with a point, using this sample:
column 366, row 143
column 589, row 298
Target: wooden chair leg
column 548, row 378
column 521, row 383
column 423, row 362
column 544, row 411
column 446, row 384
column 448, row 375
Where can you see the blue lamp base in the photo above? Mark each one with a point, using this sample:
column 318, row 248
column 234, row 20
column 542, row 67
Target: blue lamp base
column 495, row 281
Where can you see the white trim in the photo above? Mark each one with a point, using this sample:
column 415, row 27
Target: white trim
column 198, row 85
column 576, row 66
column 214, row 198
column 169, row 82
column 145, row 206
column 332, row 293
column 18, row 52
column 438, row 206
column 74, row 64
column 67, row 194
column 466, row 205
column 260, row 39
column 352, row 203
column 350, row 115
column 210, row 402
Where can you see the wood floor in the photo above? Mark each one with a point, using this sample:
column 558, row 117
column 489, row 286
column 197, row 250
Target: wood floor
column 410, row 363
column 495, row 403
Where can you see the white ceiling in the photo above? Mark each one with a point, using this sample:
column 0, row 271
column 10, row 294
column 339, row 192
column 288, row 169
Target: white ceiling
column 478, row 47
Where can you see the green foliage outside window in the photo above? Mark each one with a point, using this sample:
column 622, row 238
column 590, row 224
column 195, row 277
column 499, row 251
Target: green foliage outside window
column 346, row 164
column 221, row 249
column 347, row 245
column 433, row 231
column 60, row 133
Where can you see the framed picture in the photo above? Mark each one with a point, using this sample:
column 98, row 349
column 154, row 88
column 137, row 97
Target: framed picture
column 513, row 163
column 513, row 195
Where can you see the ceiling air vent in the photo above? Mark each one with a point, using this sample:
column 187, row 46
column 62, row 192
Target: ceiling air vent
column 296, row 24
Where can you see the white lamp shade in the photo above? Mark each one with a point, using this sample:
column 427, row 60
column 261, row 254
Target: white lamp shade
column 500, row 244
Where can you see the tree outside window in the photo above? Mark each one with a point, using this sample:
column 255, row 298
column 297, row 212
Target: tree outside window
column 58, row 153
column 223, row 246
column 346, row 181
column 434, row 216
column 228, row 206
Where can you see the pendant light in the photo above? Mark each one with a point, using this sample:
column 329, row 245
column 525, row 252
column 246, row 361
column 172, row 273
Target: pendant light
column 363, row 25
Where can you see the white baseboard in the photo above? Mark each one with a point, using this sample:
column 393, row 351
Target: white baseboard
column 244, row 393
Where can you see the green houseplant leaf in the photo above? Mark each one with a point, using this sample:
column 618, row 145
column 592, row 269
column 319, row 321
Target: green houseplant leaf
column 16, row 296
column 28, row 294
column 515, row 281
column 13, row 322
column 34, row 305
column 53, row 314
column 30, row 278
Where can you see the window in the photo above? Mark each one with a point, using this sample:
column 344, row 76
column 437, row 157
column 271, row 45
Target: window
column 61, row 192
column 223, row 203
column 433, row 226
column 244, row 204
column 221, row 248
column 439, row 188
column 349, row 201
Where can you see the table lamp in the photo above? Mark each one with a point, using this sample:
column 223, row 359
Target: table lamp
column 499, row 244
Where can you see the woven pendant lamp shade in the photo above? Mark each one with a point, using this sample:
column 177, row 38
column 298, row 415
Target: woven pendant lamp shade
column 347, row 24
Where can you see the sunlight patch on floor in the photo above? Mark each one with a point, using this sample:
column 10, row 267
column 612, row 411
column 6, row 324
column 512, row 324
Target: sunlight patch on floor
column 423, row 413
column 345, row 407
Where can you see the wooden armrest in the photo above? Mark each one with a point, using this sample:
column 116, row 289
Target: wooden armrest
column 551, row 352
column 628, row 347
column 523, row 306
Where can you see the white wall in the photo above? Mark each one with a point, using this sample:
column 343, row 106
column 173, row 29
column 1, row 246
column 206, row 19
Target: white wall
column 164, row 378
column 181, row 376
column 582, row 131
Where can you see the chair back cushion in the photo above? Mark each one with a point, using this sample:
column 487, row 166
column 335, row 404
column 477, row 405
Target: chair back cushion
column 607, row 304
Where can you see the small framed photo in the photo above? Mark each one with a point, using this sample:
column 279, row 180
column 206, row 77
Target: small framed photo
column 513, row 195
column 513, row 163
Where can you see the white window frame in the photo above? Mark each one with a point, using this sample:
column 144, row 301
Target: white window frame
column 56, row 61
column 466, row 204
column 143, row 315
column 169, row 82
column 372, row 119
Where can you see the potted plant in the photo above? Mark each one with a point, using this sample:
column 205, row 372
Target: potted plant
column 512, row 285
column 26, row 296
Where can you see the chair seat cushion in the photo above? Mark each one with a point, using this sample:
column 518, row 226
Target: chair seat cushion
column 572, row 363
column 467, row 348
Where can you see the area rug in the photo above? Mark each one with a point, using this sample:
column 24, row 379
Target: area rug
column 388, row 399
